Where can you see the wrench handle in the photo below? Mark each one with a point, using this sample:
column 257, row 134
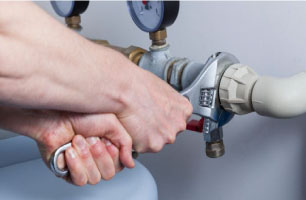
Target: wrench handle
column 64, row 172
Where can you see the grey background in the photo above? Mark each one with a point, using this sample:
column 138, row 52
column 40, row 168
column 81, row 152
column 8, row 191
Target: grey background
column 265, row 158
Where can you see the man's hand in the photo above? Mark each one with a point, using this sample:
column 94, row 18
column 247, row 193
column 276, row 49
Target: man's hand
column 155, row 113
column 88, row 160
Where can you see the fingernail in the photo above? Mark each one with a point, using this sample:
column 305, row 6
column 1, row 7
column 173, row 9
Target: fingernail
column 71, row 153
column 92, row 140
column 107, row 142
column 133, row 164
column 81, row 143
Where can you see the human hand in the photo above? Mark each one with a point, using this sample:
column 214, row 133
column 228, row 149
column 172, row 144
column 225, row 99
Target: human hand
column 155, row 112
column 88, row 160
column 91, row 159
column 97, row 159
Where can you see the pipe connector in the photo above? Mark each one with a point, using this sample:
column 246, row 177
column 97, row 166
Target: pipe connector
column 215, row 149
column 176, row 73
column 235, row 90
column 158, row 38
column 241, row 91
column 74, row 22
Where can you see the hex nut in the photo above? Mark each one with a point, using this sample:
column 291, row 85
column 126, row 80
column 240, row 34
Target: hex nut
column 176, row 74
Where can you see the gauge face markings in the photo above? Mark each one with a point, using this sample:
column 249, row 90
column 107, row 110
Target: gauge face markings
column 151, row 16
column 147, row 14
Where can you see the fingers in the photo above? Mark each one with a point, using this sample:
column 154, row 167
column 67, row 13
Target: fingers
column 61, row 161
column 107, row 126
column 77, row 171
column 102, row 158
column 89, row 162
column 121, row 139
column 82, row 149
column 187, row 108
column 114, row 153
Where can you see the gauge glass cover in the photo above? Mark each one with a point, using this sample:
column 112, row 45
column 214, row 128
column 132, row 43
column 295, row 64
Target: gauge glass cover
column 147, row 15
column 63, row 8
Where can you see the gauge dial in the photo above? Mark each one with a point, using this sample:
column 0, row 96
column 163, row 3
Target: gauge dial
column 154, row 15
column 69, row 8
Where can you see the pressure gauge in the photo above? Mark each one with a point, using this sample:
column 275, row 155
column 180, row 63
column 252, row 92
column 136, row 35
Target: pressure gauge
column 69, row 8
column 151, row 16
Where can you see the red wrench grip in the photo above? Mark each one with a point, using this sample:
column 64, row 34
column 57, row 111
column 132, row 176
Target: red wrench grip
column 195, row 125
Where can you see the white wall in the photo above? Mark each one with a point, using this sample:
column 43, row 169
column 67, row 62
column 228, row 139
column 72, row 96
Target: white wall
column 265, row 158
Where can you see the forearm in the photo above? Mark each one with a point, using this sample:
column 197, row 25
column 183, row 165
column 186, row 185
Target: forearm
column 18, row 120
column 48, row 128
column 44, row 65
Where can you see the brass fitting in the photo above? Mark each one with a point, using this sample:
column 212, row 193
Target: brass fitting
column 101, row 42
column 133, row 53
column 74, row 22
column 159, row 37
column 215, row 149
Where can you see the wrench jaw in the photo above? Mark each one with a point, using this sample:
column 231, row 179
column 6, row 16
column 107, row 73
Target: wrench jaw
column 213, row 133
column 203, row 95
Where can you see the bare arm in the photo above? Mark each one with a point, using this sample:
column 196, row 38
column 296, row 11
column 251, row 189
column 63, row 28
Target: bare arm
column 45, row 65
column 88, row 160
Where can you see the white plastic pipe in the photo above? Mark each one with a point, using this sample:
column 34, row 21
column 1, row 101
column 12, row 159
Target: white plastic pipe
column 280, row 97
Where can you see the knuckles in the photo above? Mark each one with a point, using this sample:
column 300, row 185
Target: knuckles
column 112, row 120
column 156, row 148
column 187, row 107
column 171, row 139
column 140, row 148
column 156, row 145
column 84, row 154
column 96, row 150
column 50, row 141
column 182, row 126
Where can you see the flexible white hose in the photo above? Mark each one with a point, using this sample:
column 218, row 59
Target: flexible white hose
column 280, row 97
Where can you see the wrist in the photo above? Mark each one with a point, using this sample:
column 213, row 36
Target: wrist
column 120, row 85
column 17, row 120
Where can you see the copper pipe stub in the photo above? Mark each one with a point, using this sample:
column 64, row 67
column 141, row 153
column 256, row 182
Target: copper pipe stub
column 159, row 37
column 215, row 149
column 74, row 22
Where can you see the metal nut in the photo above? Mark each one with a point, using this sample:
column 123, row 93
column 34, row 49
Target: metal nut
column 215, row 149
column 177, row 71
column 74, row 22
column 158, row 35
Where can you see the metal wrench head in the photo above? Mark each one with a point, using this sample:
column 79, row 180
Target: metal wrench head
column 204, row 97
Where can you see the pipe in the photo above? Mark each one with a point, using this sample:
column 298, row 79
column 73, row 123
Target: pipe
column 280, row 97
column 241, row 91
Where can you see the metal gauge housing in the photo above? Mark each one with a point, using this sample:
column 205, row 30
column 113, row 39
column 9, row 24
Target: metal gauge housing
column 151, row 16
column 69, row 8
